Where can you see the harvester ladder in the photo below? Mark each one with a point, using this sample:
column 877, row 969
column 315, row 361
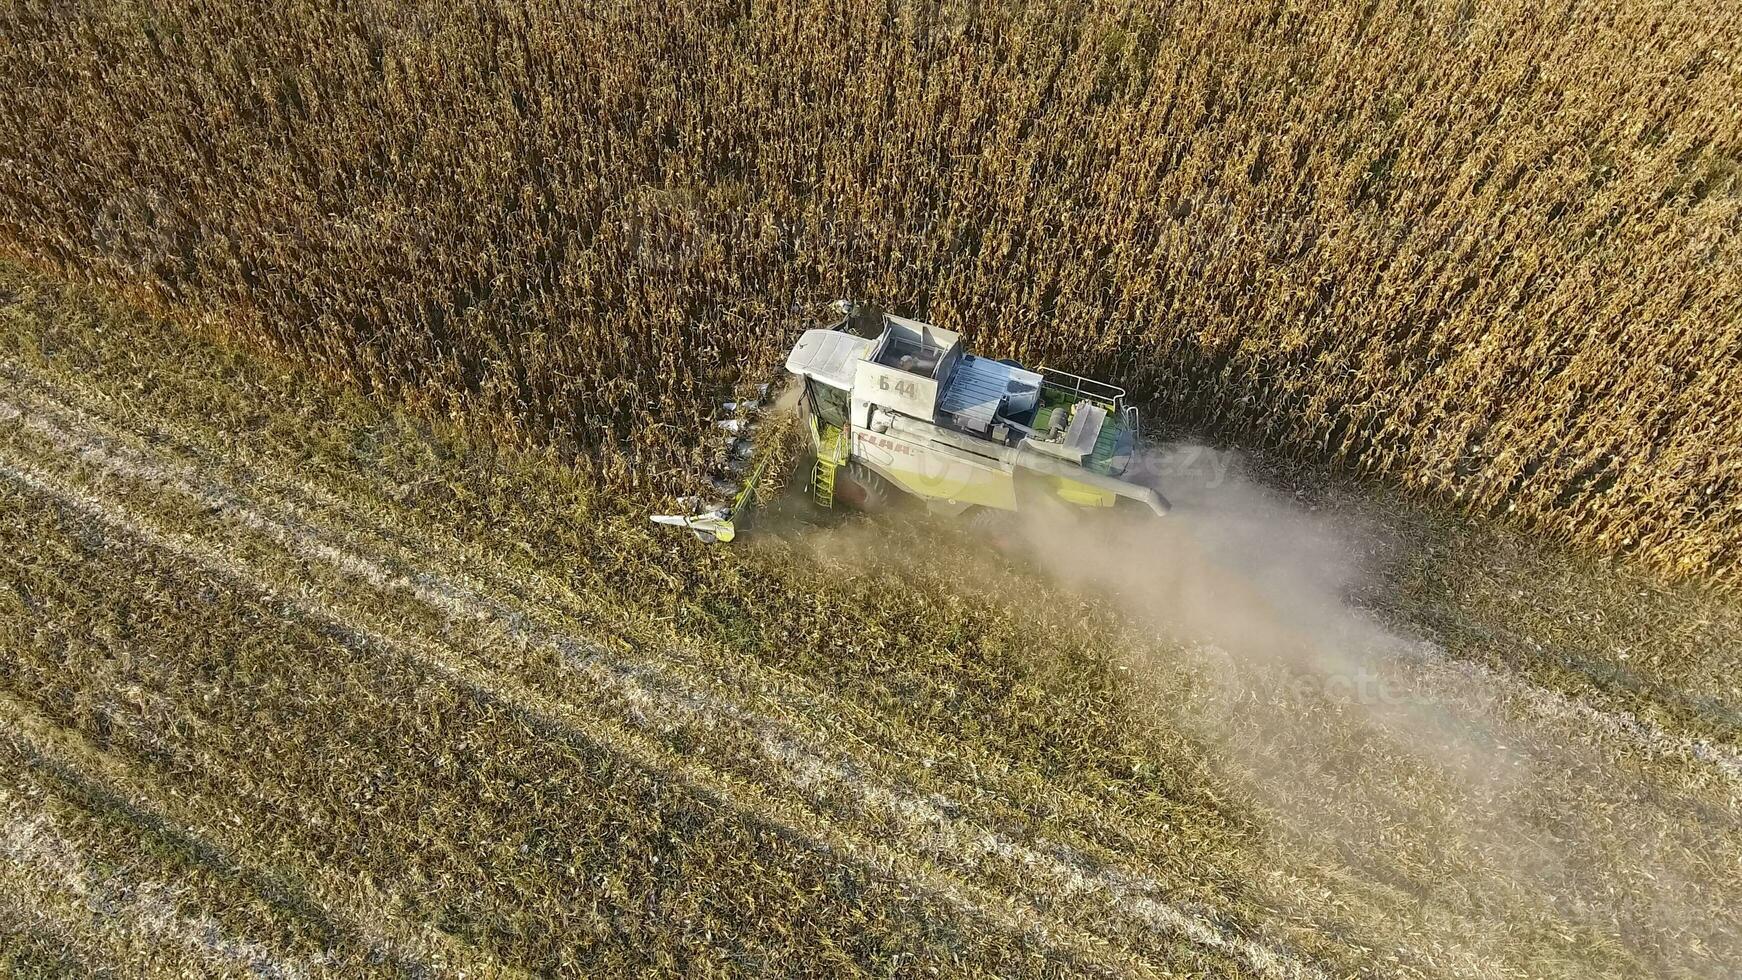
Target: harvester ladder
column 831, row 453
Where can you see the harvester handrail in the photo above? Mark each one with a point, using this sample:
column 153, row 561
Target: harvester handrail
column 1078, row 385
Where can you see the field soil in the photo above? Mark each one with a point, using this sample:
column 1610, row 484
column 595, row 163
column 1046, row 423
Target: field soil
column 294, row 685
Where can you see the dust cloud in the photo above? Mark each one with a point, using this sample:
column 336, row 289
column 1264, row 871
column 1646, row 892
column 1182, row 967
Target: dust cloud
column 1262, row 583
column 1367, row 748
column 1369, row 754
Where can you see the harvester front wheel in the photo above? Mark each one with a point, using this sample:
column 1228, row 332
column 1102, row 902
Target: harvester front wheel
column 862, row 488
column 990, row 521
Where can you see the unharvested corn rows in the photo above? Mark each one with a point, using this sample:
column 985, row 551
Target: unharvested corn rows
column 1487, row 249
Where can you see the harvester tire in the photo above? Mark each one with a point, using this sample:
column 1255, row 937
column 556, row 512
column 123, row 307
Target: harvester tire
column 860, row 487
column 990, row 521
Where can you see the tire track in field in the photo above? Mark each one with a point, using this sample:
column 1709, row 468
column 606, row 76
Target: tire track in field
column 1431, row 662
column 416, row 951
column 546, row 718
column 416, row 562
column 468, row 598
column 1620, row 725
column 129, row 910
column 926, row 823
column 1428, row 660
column 946, row 836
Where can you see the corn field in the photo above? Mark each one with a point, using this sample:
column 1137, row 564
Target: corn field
column 1488, row 249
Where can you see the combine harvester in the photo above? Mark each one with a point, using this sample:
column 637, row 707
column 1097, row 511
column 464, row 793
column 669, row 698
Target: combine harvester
column 908, row 410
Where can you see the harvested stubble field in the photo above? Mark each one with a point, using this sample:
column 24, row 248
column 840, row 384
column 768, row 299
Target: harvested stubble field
column 294, row 685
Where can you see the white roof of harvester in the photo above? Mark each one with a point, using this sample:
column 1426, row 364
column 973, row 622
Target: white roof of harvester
column 828, row 356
